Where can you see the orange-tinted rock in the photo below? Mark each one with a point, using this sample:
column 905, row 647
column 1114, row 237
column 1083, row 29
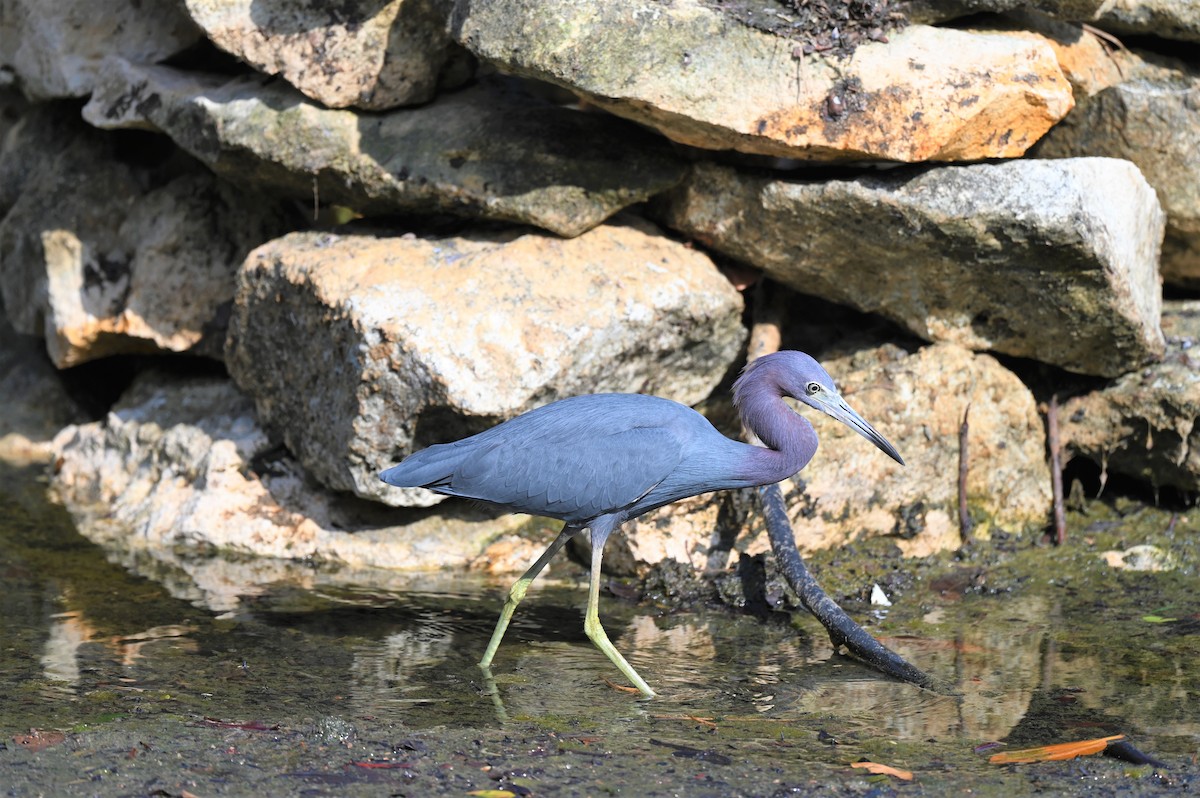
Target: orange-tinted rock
column 703, row 79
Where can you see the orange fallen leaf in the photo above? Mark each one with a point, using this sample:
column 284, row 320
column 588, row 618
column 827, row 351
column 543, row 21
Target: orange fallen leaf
column 1054, row 753
column 883, row 770
column 620, row 687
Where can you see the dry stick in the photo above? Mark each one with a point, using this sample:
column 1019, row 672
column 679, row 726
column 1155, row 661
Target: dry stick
column 765, row 338
column 964, row 516
column 1060, row 514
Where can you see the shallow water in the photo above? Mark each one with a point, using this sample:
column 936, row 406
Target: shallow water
column 157, row 671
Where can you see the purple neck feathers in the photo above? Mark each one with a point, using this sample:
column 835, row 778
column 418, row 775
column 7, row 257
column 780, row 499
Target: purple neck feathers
column 790, row 438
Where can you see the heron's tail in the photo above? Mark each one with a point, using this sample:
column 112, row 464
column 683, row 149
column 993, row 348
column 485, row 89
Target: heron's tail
column 431, row 468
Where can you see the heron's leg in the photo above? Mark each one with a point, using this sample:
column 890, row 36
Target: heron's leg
column 517, row 591
column 591, row 621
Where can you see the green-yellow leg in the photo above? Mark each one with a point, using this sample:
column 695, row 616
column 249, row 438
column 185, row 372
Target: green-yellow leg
column 591, row 621
column 517, row 592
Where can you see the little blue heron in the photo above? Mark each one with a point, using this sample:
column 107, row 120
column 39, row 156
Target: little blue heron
column 597, row 461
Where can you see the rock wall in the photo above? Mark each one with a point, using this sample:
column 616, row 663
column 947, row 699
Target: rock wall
column 394, row 223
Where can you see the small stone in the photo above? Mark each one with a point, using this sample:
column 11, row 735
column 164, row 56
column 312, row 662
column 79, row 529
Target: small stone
column 1141, row 558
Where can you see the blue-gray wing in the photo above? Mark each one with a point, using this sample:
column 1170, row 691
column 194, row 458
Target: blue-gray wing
column 575, row 460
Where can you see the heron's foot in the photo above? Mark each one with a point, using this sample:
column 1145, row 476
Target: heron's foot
column 599, row 638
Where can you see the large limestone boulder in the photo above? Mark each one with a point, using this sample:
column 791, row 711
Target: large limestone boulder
column 183, row 463
column 360, row 349
column 1145, row 423
column 1153, row 120
column 491, row 151
column 363, row 53
column 699, row 76
column 1051, row 260
column 101, row 256
column 57, row 49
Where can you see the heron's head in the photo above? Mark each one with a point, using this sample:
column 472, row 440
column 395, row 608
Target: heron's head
column 807, row 381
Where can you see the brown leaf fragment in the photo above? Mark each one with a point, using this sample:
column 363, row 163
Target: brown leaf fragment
column 880, row 769
column 38, row 740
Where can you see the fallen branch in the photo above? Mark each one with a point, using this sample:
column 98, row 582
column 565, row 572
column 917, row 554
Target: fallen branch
column 843, row 631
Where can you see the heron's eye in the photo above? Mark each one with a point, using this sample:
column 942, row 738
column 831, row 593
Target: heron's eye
column 812, row 388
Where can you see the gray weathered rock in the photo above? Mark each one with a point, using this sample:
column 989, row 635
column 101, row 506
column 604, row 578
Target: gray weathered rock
column 184, row 463
column 702, row 78
column 492, row 151
column 102, row 257
column 37, row 135
column 35, row 406
column 363, row 53
column 1145, row 423
column 1051, row 260
column 1170, row 19
column 358, row 349
column 1152, row 120
column 55, row 49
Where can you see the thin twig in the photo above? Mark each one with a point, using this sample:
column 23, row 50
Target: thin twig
column 1109, row 43
column 964, row 515
column 1056, row 486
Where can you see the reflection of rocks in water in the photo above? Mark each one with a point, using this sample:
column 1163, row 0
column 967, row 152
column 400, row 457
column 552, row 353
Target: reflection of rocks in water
column 60, row 654
column 222, row 584
column 1162, row 701
column 684, row 641
column 1000, row 665
column 74, row 646
column 994, row 662
column 394, row 671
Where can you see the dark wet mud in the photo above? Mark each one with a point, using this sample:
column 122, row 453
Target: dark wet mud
column 125, row 675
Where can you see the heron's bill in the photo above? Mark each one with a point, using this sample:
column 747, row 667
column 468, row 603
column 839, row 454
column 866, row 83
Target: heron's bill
column 836, row 406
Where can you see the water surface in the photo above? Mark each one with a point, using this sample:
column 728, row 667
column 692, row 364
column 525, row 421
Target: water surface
column 141, row 672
